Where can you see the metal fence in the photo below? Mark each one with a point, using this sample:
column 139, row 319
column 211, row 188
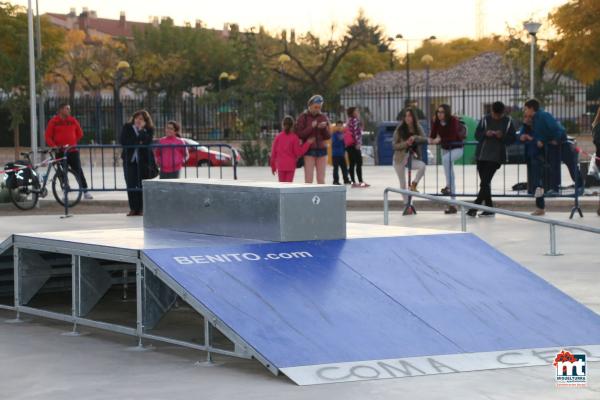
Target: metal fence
column 209, row 118
column 571, row 103
column 232, row 116
column 561, row 173
column 103, row 169
column 103, row 166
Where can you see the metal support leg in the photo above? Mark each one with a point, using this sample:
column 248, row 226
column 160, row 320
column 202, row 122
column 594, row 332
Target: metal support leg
column 17, row 289
column 75, row 285
column 31, row 272
column 140, row 282
column 463, row 219
column 65, row 182
column 409, row 209
column 207, row 344
column 386, row 208
column 207, row 339
column 553, row 251
column 140, row 286
column 125, row 286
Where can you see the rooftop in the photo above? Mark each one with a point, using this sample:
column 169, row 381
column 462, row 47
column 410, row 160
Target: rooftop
column 483, row 70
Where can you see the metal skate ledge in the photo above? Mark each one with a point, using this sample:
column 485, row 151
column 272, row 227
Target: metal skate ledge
column 271, row 211
column 432, row 365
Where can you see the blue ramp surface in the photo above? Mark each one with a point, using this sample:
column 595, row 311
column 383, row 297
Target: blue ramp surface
column 310, row 303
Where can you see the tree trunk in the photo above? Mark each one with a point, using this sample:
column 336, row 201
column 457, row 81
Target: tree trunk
column 17, row 142
column 72, row 87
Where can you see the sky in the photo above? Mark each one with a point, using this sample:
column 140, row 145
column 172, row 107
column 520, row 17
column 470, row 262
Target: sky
column 445, row 19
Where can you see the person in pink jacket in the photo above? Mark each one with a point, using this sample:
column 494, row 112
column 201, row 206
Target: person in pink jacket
column 172, row 153
column 286, row 150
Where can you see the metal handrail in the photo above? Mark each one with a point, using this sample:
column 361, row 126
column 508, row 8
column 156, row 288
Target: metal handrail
column 464, row 206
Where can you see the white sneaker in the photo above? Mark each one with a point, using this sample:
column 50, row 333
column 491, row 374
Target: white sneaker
column 88, row 196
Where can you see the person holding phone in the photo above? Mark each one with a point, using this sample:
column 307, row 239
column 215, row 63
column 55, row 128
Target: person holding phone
column 313, row 123
column 138, row 159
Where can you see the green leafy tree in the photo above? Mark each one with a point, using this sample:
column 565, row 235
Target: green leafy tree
column 14, row 66
column 313, row 63
column 174, row 59
column 577, row 49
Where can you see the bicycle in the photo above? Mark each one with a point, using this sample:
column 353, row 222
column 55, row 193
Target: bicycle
column 23, row 181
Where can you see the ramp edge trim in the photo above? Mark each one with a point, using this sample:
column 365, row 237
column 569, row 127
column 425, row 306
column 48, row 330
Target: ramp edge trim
column 432, row 365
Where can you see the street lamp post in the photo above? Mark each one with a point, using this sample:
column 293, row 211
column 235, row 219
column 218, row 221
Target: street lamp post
column 532, row 28
column 41, row 110
column 363, row 100
column 512, row 54
column 390, row 42
column 399, row 36
column 283, row 59
column 32, row 85
column 427, row 60
column 122, row 67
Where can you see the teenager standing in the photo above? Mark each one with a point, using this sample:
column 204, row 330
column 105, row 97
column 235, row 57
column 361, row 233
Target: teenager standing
column 313, row 123
column 446, row 130
column 138, row 159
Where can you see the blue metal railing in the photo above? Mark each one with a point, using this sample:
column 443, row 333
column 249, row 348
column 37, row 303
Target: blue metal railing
column 464, row 207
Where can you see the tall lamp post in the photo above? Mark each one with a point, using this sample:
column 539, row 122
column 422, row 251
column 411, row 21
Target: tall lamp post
column 511, row 55
column 532, row 28
column 283, row 60
column 122, row 67
column 32, row 85
column 427, row 60
column 399, row 36
column 38, row 52
column 363, row 100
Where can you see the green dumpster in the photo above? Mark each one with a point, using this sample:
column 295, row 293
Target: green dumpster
column 469, row 151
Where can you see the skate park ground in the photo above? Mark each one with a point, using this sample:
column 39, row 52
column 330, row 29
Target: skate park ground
column 39, row 362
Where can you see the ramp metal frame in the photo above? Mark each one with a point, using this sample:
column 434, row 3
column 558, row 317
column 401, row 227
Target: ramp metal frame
column 6, row 247
column 156, row 293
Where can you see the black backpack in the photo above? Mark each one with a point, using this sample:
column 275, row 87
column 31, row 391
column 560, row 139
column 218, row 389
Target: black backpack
column 15, row 177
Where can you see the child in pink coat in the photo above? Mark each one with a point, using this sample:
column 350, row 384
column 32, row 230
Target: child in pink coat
column 173, row 153
column 286, row 150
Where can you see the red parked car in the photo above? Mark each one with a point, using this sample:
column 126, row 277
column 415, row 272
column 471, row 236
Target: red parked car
column 202, row 155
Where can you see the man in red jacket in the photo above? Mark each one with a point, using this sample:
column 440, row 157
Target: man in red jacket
column 64, row 130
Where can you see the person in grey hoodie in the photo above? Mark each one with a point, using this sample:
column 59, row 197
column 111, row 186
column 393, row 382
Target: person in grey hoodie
column 493, row 133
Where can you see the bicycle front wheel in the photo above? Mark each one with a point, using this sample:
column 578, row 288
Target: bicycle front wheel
column 25, row 197
column 72, row 185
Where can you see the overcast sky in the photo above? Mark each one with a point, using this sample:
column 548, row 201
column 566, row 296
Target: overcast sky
column 446, row 19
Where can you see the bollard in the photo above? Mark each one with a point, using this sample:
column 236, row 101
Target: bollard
column 553, row 251
column 463, row 219
column 385, row 208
